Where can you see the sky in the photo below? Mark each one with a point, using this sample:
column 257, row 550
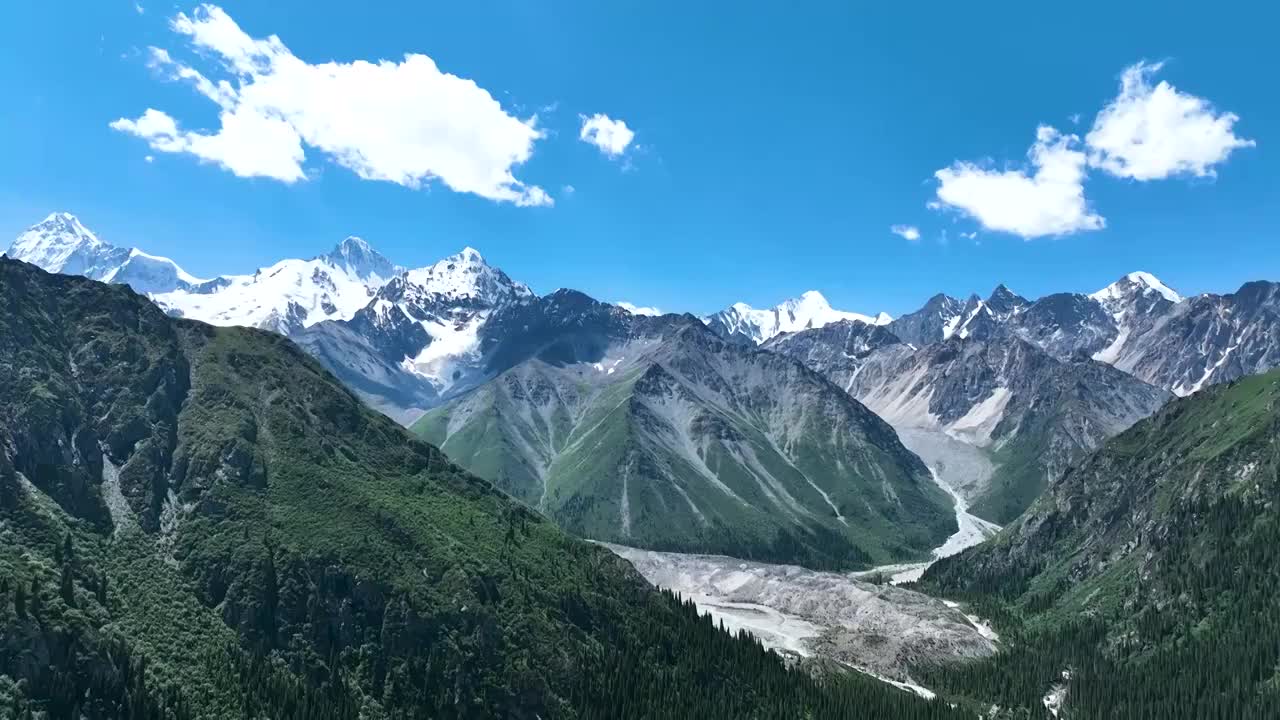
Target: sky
column 670, row 154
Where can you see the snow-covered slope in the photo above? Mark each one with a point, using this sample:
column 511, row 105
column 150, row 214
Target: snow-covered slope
column 149, row 274
column 62, row 244
column 418, row 340
column 1134, row 302
column 1135, row 283
column 743, row 323
column 289, row 295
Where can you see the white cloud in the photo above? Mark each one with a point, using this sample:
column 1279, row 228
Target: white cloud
column 637, row 309
column 968, row 235
column 403, row 122
column 908, row 232
column 149, row 158
column 1045, row 199
column 249, row 144
column 1150, row 133
column 611, row 136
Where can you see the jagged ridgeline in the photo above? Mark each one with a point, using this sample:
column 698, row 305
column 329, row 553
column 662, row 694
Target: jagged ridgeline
column 1026, row 414
column 1149, row 572
column 653, row 431
column 200, row 522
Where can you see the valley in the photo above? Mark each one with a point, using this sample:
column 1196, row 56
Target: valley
column 639, row 361
column 806, row 478
column 857, row 619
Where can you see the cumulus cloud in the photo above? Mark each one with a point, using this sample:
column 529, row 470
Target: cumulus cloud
column 404, row 122
column 638, row 309
column 1046, row 198
column 908, row 232
column 611, row 136
column 1152, row 132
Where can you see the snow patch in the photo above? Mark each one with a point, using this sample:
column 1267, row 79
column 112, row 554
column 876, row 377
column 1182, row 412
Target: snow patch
column 1182, row 391
column 453, row 350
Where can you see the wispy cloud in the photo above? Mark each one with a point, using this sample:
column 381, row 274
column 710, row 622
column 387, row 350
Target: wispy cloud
column 908, row 232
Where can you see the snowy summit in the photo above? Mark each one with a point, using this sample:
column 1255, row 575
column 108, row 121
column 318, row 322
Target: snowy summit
column 1136, row 282
column 810, row 310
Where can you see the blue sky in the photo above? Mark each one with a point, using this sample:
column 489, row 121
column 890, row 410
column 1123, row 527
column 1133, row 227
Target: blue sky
column 773, row 149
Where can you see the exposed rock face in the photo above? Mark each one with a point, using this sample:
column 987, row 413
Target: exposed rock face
column 1137, row 324
column 1205, row 340
column 1032, row 412
column 837, row 350
column 932, row 323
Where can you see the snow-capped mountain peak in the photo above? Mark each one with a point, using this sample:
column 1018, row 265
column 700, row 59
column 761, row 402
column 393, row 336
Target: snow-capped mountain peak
column 463, row 276
column 61, row 243
column 58, row 230
column 1136, row 283
column 810, row 310
column 357, row 257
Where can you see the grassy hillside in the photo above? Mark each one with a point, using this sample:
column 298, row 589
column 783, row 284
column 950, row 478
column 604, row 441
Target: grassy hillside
column 1149, row 572
column 202, row 523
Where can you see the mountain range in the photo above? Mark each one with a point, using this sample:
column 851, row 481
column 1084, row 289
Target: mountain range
column 557, row 397
column 205, row 518
column 653, row 431
column 201, row 522
column 650, row 430
column 742, row 323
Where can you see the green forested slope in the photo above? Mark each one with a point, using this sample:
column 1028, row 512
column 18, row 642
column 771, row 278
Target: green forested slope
column 201, row 522
column 1149, row 573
